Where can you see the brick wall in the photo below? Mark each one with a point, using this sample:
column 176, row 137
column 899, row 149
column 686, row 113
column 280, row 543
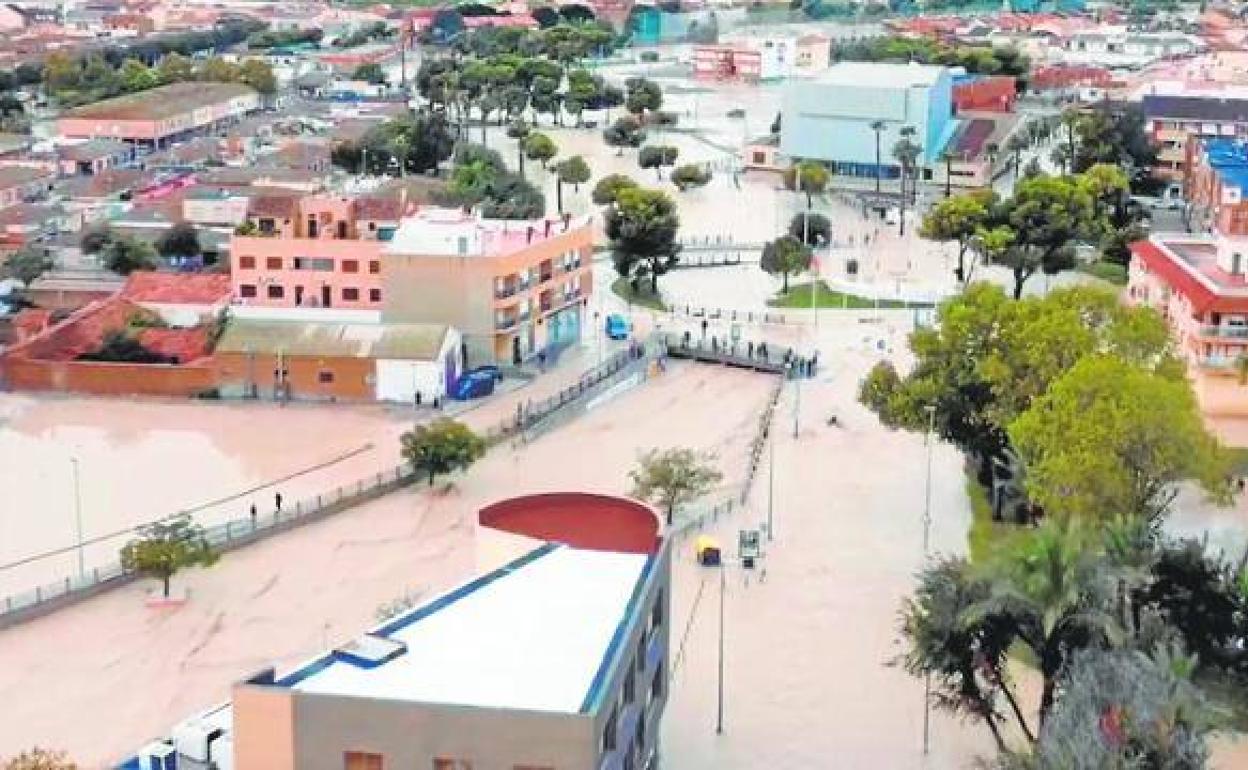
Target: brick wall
column 109, row 379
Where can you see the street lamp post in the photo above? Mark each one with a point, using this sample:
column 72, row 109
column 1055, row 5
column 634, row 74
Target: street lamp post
column 719, row 712
column 771, row 485
column 82, row 570
column 797, row 398
column 927, row 527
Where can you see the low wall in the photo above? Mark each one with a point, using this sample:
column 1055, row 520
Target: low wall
column 108, row 379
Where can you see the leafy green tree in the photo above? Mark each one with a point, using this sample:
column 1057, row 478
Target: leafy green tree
column 164, row 548
column 519, row 130
column 61, row 72
column 540, row 147
column 815, row 230
column 40, row 759
column 1110, row 438
column 642, row 229
column 807, row 177
column 624, row 132
column 1047, row 215
column 217, row 70
column 180, row 240
column 259, row 75
column 690, row 175
column 472, row 182
column 370, row 72
column 785, row 256
column 175, row 68
column 442, row 446
column 95, row 239
column 125, row 254
column 135, row 76
column 642, row 96
column 609, row 187
column 958, row 219
column 673, row 477
column 573, row 171
column 656, row 156
column 27, row 264
column 583, row 92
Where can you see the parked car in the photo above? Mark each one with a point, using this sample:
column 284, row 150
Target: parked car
column 474, row 385
column 617, row 327
column 487, row 369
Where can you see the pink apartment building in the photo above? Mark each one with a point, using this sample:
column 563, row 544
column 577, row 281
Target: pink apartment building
column 317, row 251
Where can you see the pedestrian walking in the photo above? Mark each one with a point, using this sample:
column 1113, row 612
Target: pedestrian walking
column 253, row 515
column 277, row 500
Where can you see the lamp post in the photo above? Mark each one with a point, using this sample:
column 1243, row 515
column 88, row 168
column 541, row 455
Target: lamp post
column 797, row 398
column 927, row 527
column 82, row 570
column 771, row 485
column 719, row 710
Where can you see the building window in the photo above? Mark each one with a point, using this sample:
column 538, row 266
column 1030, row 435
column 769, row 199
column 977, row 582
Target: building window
column 350, row 266
column 374, row 295
column 350, row 295
column 275, row 291
column 361, row 760
column 442, row 763
column 760, row 158
column 273, row 263
column 267, row 225
column 314, row 263
column 325, row 377
column 342, row 230
column 630, row 687
column 247, row 263
column 608, row 732
column 374, row 267
column 247, row 290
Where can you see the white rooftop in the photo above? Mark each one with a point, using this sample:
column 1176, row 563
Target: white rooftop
column 865, row 74
column 532, row 638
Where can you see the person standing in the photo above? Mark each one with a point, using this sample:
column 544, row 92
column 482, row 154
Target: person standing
column 277, row 500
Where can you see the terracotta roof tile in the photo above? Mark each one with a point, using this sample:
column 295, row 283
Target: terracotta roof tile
column 177, row 288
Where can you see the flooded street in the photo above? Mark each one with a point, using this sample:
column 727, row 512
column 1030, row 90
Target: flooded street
column 141, row 460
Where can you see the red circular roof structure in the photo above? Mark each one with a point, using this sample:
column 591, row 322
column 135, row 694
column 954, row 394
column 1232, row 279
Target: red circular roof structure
column 578, row 519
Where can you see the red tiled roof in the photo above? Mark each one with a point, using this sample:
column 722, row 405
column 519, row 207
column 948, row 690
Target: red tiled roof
column 274, row 206
column 378, row 209
column 79, row 333
column 1203, row 299
column 177, row 288
column 185, row 345
column 31, row 321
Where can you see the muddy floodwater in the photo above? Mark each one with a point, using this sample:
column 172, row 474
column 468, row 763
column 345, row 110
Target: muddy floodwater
column 141, row 460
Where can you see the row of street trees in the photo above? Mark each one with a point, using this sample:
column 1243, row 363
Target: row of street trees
column 1040, row 225
column 72, row 80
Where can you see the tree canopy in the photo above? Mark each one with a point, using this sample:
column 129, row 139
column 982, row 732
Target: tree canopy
column 164, row 548
column 442, row 446
column 642, row 229
column 673, row 477
column 785, row 256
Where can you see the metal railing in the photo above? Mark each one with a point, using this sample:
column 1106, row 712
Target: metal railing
column 1230, row 332
column 224, row 536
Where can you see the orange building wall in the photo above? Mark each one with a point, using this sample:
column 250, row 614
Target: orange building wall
column 264, row 728
column 287, row 249
column 353, row 378
column 108, row 379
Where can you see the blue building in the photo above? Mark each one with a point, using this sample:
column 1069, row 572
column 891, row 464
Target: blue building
column 830, row 118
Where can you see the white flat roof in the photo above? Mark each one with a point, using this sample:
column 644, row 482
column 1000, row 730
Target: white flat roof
column 880, row 74
column 531, row 637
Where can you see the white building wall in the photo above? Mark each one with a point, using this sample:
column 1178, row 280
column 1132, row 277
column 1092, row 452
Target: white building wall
column 400, row 381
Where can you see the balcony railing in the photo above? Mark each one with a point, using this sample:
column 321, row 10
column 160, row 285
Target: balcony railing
column 1218, row 362
column 504, row 323
column 1230, row 332
column 504, row 292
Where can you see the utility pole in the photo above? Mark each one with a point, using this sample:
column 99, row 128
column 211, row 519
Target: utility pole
column 927, row 526
column 82, row 570
column 797, row 398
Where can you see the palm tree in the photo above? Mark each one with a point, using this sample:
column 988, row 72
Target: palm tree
column 1015, row 146
column 878, row 127
column 1054, row 589
column 906, row 152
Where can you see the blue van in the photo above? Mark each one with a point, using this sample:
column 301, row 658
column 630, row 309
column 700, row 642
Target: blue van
column 474, row 385
column 617, row 327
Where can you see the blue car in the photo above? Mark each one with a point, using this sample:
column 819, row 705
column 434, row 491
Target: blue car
column 488, row 369
column 617, row 327
column 474, row 385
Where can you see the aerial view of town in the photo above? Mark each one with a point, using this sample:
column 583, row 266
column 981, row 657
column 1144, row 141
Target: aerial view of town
column 623, row 385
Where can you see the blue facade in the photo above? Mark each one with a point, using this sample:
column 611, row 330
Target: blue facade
column 830, row 118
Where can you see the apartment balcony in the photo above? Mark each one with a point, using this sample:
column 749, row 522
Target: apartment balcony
column 546, row 274
column 546, row 303
column 503, row 324
column 503, row 292
column 1225, row 332
column 1220, row 363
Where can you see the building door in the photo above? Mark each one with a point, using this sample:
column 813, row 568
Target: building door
column 298, row 295
column 515, row 350
column 327, row 296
